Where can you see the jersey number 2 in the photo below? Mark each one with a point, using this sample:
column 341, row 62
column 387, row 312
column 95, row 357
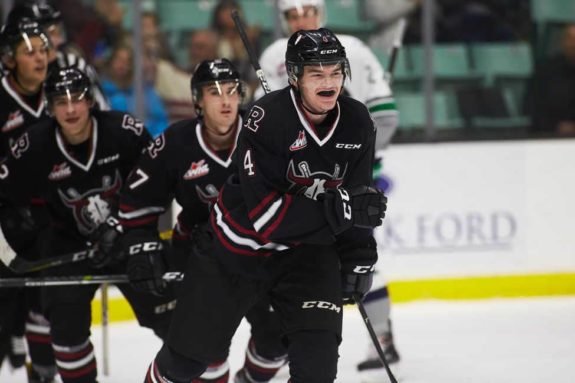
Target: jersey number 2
column 248, row 163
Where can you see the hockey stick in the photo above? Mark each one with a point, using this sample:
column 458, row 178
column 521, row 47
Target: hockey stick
column 252, row 56
column 397, row 43
column 21, row 266
column 79, row 280
column 105, row 332
column 374, row 340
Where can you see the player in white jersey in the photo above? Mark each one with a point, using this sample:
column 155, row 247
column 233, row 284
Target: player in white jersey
column 370, row 87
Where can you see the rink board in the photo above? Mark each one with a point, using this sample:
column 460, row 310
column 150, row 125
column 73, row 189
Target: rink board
column 472, row 221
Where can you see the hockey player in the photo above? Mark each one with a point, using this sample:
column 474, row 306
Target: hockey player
column 190, row 162
column 293, row 224
column 77, row 161
column 60, row 55
column 24, row 51
column 369, row 87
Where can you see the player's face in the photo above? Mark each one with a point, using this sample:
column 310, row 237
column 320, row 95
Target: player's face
column 31, row 61
column 320, row 85
column 73, row 116
column 302, row 18
column 220, row 103
column 56, row 35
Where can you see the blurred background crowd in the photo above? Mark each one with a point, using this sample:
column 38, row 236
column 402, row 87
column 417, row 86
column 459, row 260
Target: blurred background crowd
column 498, row 69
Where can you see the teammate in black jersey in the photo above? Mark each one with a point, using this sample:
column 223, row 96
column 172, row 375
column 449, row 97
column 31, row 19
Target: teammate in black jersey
column 78, row 161
column 61, row 54
column 24, row 52
column 190, row 162
column 293, row 224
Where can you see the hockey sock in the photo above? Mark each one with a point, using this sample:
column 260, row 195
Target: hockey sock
column 40, row 346
column 171, row 367
column 259, row 368
column 215, row 373
column 76, row 364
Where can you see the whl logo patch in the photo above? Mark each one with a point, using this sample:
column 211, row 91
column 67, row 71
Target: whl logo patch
column 60, row 171
column 196, row 170
column 299, row 143
column 15, row 119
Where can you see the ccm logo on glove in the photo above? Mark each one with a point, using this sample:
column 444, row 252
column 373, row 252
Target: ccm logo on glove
column 145, row 246
column 364, row 269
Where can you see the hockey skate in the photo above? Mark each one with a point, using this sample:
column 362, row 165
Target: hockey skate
column 372, row 370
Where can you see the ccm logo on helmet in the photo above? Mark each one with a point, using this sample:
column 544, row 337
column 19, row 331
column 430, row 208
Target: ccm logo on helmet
column 348, row 146
column 328, row 51
column 146, row 246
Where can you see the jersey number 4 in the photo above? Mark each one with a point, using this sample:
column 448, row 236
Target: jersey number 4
column 248, row 163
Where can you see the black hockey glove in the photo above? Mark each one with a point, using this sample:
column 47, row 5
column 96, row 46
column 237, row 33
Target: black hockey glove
column 361, row 206
column 357, row 268
column 107, row 243
column 146, row 264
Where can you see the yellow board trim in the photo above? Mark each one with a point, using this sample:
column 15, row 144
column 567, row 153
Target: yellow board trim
column 501, row 286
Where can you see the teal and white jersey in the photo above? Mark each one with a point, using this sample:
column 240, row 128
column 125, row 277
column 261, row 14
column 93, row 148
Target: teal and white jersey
column 366, row 85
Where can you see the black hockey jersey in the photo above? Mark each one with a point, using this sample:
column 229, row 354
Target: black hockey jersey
column 16, row 114
column 179, row 164
column 79, row 184
column 284, row 164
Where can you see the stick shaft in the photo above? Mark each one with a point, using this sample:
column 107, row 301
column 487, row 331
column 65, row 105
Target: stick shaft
column 78, row 280
column 373, row 336
column 251, row 54
column 22, row 266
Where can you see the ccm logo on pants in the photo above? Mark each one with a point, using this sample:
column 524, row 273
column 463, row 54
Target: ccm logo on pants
column 321, row 305
column 145, row 247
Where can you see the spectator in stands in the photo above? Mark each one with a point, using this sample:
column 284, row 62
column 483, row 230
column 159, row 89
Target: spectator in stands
column 230, row 44
column 551, row 94
column 171, row 83
column 119, row 88
column 94, row 29
column 202, row 45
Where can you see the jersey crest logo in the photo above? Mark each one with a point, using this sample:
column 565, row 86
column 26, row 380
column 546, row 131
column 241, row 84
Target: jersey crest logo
column 196, row 170
column 92, row 208
column 207, row 195
column 299, row 143
column 133, row 124
column 254, row 118
column 311, row 184
column 15, row 119
column 60, row 171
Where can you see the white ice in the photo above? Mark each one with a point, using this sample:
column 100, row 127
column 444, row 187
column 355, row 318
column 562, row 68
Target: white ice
column 491, row 341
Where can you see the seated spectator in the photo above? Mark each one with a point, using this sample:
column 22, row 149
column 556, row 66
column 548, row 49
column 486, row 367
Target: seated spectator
column 202, row 45
column 170, row 82
column 551, row 94
column 119, row 88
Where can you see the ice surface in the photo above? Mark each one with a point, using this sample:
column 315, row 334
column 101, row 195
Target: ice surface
column 491, row 341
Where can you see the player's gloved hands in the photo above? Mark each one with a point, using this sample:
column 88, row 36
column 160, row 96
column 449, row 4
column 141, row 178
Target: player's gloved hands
column 107, row 243
column 146, row 264
column 357, row 268
column 361, row 206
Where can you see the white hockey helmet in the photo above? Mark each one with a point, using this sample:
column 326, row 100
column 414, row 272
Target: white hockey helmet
column 286, row 5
